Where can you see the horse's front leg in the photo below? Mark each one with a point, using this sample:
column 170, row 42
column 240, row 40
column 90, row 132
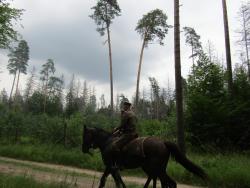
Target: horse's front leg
column 154, row 182
column 104, row 177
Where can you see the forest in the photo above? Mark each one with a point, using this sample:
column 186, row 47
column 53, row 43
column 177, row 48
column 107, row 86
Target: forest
column 207, row 114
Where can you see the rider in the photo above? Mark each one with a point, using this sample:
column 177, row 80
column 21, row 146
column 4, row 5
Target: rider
column 126, row 132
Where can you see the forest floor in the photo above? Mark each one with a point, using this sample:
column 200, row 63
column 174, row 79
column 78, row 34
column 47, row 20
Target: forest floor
column 76, row 177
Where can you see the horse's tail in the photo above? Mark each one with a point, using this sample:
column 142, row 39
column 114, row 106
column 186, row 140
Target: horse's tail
column 184, row 161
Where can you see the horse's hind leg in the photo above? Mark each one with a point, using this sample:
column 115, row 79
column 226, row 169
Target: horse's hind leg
column 148, row 182
column 166, row 181
column 170, row 182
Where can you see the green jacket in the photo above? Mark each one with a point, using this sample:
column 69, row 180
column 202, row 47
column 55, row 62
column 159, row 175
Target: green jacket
column 128, row 122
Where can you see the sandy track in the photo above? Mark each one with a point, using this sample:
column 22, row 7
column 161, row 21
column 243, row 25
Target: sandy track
column 76, row 177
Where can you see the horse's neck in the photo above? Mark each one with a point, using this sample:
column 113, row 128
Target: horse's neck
column 101, row 139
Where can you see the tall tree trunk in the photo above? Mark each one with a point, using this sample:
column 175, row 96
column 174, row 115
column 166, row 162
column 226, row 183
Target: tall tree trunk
column 110, row 74
column 139, row 74
column 178, row 79
column 17, row 84
column 45, row 96
column 228, row 50
column 246, row 44
column 12, row 87
column 192, row 46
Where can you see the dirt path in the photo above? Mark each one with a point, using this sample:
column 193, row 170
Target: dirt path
column 61, row 174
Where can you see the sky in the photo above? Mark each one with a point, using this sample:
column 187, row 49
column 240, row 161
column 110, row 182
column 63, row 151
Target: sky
column 63, row 31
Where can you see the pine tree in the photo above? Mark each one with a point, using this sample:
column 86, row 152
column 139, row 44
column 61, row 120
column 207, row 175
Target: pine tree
column 244, row 16
column 152, row 26
column 48, row 69
column 228, row 49
column 193, row 40
column 4, row 97
column 30, row 84
column 18, row 62
column 104, row 12
column 9, row 16
column 178, row 78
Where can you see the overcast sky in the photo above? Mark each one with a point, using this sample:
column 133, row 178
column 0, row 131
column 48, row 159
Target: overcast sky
column 63, row 31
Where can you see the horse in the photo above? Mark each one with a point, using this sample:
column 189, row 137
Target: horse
column 149, row 153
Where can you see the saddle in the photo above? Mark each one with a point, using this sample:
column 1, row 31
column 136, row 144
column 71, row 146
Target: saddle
column 135, row 147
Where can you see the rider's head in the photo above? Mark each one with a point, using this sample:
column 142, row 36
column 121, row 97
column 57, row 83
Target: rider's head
column 126, row 105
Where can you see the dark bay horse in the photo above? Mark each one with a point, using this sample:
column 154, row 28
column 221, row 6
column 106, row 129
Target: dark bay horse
column 149, row 153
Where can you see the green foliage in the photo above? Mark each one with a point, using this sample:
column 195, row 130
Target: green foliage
column 193, row 40
column 228, row 170
column 8, row 18
column 153, row 26
column 18, row 58
column 47, row 69
column 207, row 79
column 53, row 154
column 211, row 113
column 104, row 12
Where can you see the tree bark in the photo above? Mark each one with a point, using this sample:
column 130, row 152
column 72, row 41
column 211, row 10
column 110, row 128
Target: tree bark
column 12, row 87
column 228, row 50
column 110, row 74
column 17, row 84
column 178, row 79
column 65, row 134
column 45, row 94
column 139, row 74
column 246, row 44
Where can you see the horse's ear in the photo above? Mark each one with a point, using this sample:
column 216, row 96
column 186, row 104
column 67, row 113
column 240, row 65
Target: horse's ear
column 84, row 129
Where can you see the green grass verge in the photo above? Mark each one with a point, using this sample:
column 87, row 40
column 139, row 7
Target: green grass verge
column 7, row 181
column 52, row 154
column 230, row 170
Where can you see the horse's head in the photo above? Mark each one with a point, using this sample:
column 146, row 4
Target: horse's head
column 94, row 138
column 87, row 139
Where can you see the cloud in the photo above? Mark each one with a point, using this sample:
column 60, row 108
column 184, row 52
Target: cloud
column 64, row 32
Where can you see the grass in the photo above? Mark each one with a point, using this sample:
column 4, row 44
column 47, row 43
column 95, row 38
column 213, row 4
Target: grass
column 7, row 181
column 52, row 154
column 229, row 170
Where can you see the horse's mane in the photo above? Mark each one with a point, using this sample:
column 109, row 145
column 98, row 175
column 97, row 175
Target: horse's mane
column 103, row 131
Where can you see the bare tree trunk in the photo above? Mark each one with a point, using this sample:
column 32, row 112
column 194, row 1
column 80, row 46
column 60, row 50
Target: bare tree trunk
column 16, row 135
column 246, row 44
column 45, row 95
column 17, row 84
column 178, row 79
column 139, row 74
column 12, row 87
column 65, row 134
column 228, row 50
column 111, row 75
column 192, row 46
column 157, row 108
